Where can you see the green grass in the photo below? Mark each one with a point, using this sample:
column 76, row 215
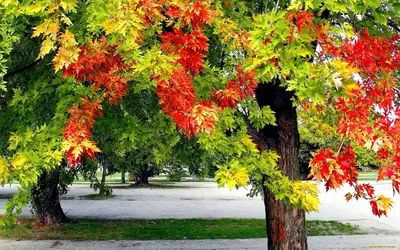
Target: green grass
column 113, row 181
column 171, row 229
column 98, row 196
column 150, row 185
column 183, row 180
column 367, row 176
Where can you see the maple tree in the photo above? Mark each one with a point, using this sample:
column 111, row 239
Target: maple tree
column 32, row 116
column 337, row 59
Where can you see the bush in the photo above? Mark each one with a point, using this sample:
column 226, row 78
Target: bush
column 175, row 173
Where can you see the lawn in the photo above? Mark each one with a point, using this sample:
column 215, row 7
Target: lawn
column 367, row 176
column 171, row 229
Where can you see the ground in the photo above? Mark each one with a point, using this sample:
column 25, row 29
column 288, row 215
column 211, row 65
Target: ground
column 205, row 200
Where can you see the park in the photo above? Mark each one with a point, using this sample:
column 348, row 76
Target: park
column 270, row 122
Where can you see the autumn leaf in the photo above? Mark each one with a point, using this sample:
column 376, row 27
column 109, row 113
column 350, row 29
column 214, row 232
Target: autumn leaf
column 380, row 205
column 18, row 160
column 47, row 45
column 4, row 169
column 305, row 196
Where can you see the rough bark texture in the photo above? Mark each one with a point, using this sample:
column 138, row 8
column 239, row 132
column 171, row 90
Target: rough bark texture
column 285, row 224
column 46, row 200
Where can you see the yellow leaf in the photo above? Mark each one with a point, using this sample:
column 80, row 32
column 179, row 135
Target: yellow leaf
column 57, row 156
column 48, row 27
column 47, row 46
column 4, row 171
column 384, row 203
column 52, row 7
column 68, row 39
column 90, row 145
column 249, row 144
column 241, row 177
column 305, row 196
column 68, row 53
column 66, row 145
column 6, row 2
column 77, row 151
column 53, row 29
column 40, row 28
column 68, row 5
column 66, row 20
column 18, row 160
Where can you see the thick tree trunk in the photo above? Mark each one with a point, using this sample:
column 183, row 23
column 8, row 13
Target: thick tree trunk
column 142, row 177
column 285, row 224
column 46, row 200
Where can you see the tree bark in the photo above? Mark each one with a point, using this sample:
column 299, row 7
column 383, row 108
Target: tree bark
column 142, row 177
column 104, row 173
column 123, row 180
column 285, row 224
column 46, row 200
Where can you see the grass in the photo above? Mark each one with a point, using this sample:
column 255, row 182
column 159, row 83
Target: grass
column 115, row 181
column 98, row 196
column 150, row 185
column 183, row 180
column 367, row 176
column 163, row 229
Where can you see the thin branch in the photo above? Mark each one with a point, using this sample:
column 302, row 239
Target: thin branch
column 340, row 148
column 20, row 70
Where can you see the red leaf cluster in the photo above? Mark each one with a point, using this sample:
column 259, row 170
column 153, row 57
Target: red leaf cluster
column 79, row 129
column 176, row 93
column 98, row 64
column 303, row 20
column 150, row 9
column 194, row 15
column 177, row 99
column 189, row 46
column 370, row 113
column 371, row 54
column 236, row 90
column 334, row 169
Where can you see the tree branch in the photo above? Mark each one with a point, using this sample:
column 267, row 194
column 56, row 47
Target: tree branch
column 20, row 70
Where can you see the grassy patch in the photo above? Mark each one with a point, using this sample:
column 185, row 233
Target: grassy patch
column 317, row 228
column 172, row 229
column 150, row 185
column 97, row 196
column 183, row 180
column 367, row 176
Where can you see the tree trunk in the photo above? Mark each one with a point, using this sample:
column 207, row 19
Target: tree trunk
column 142, row 177
column 102, row 189
column 46, row 200
column 285, row 224
column 123, row 180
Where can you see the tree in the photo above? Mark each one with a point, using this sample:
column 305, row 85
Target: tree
column 32, row 117
column 142, row 140
column 265, row 60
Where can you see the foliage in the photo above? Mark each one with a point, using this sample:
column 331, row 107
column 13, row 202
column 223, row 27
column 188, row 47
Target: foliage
column 339, row 57
column 32, row 115
column 175, row 172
